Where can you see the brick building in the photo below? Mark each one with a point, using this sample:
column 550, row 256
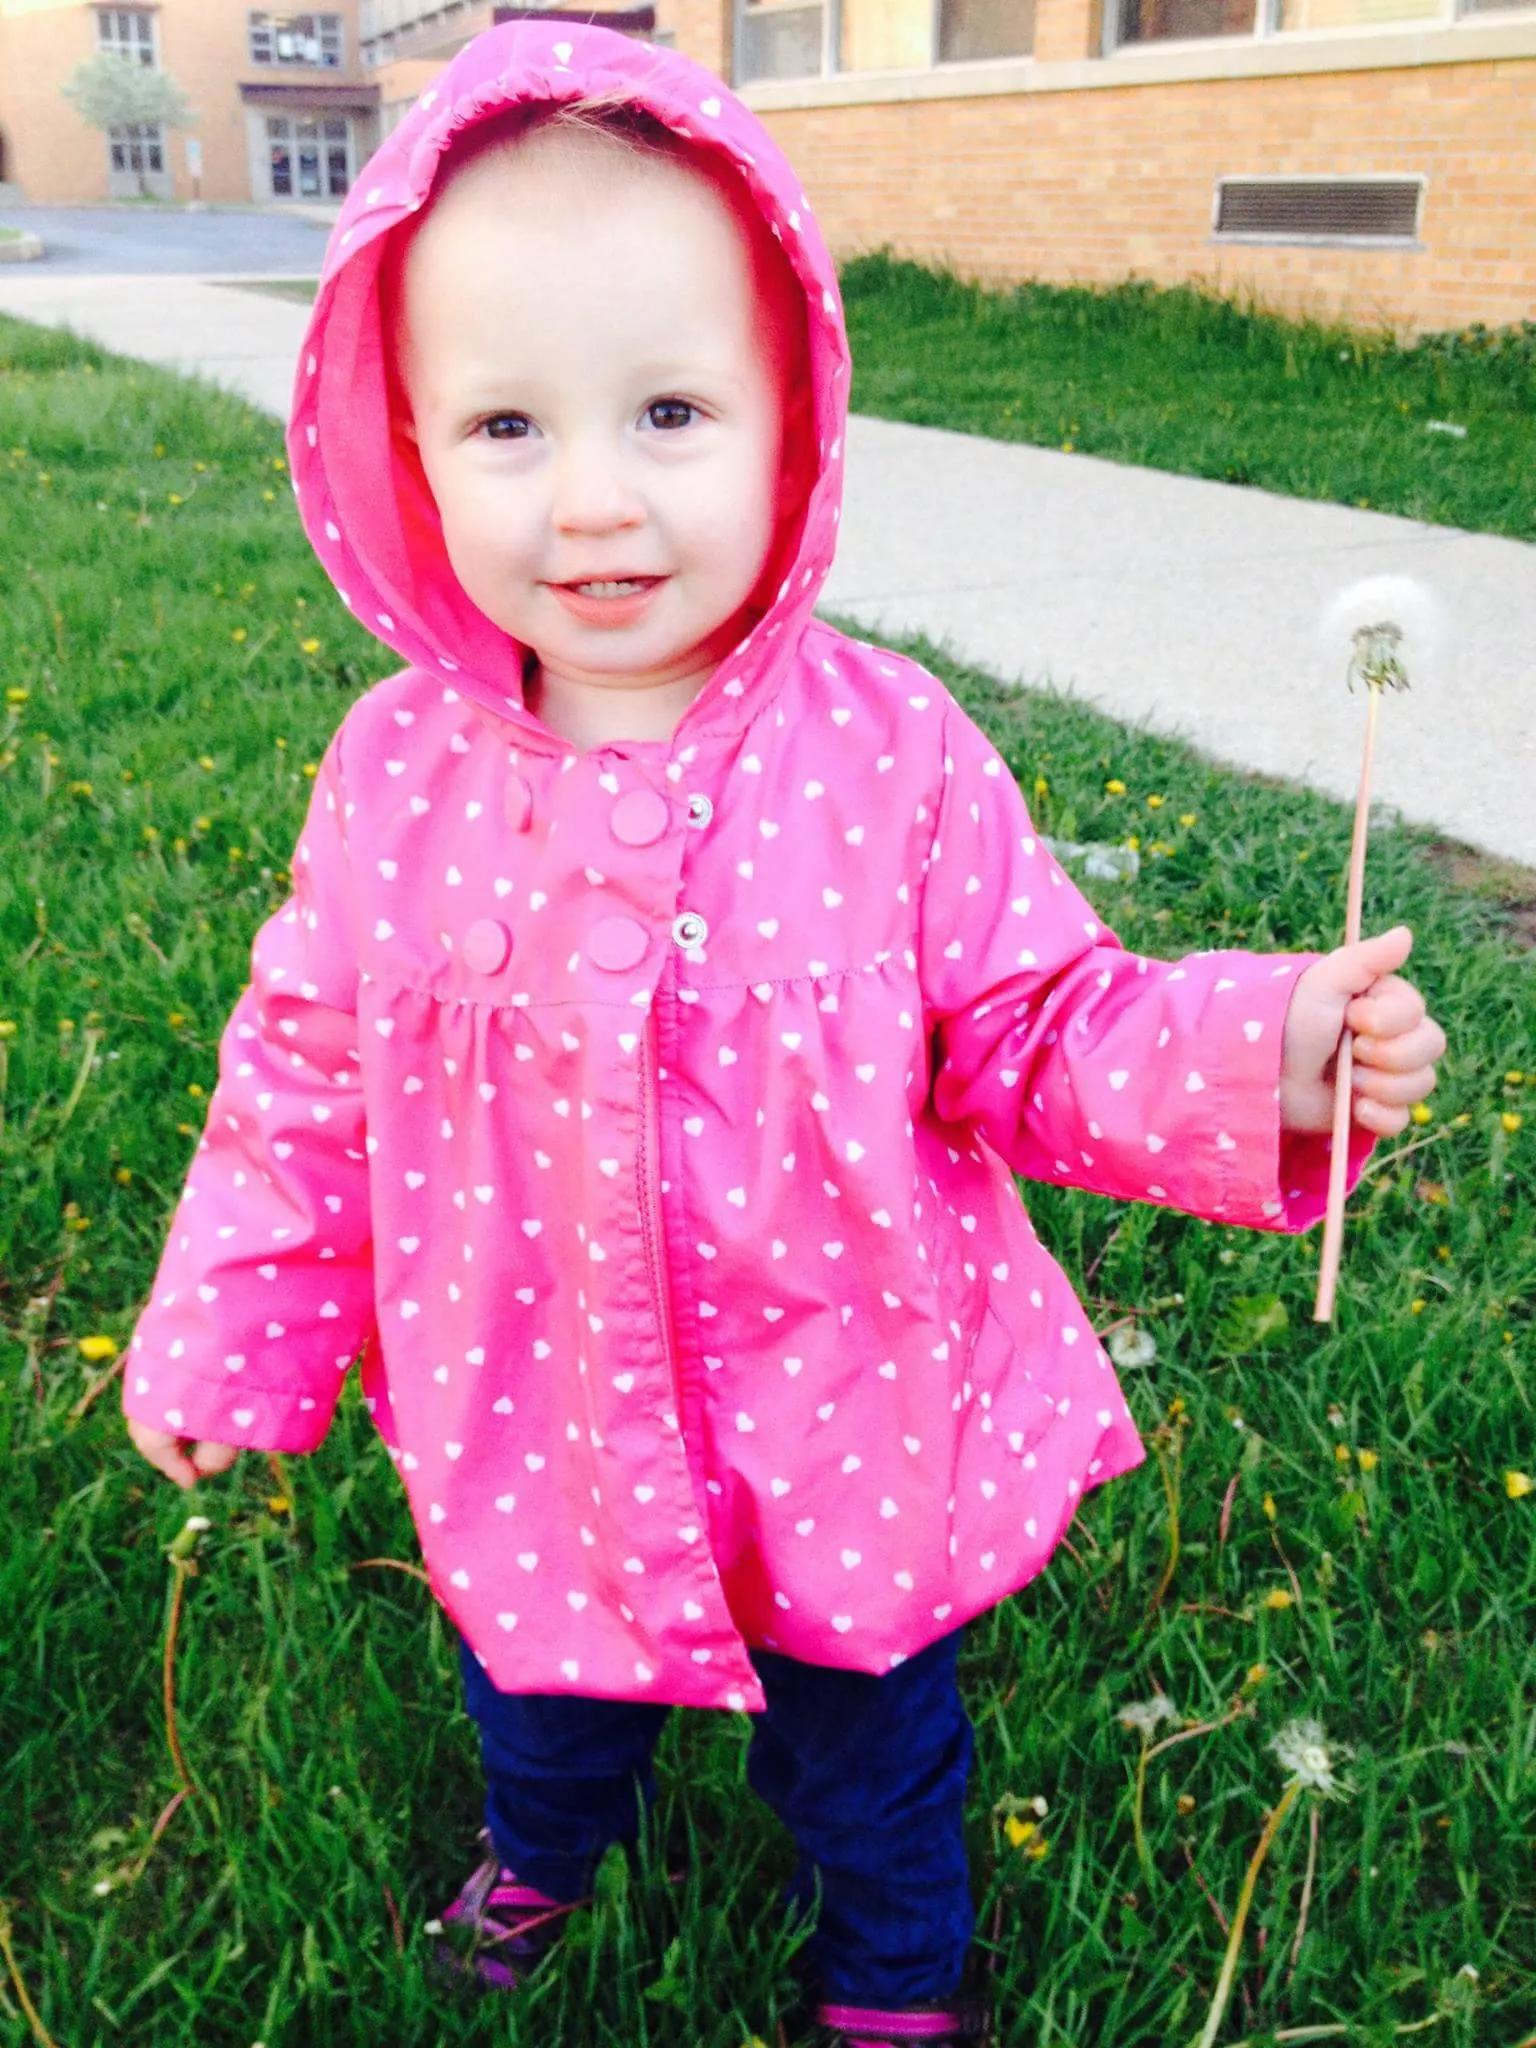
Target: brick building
column 286, row 110
column 1371, row 158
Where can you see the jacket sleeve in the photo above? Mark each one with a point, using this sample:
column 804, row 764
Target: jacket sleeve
column 1083, row 1064
column 265, row 1289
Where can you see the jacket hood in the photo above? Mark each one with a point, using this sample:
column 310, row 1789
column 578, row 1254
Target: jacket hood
column 367, row 509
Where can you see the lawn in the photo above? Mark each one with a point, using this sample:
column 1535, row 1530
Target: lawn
column 1349, row 1541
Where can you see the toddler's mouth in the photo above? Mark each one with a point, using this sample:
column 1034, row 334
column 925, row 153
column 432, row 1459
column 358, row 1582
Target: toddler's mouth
column 612, row 586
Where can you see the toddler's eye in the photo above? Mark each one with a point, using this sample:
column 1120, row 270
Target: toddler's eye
column 507, row 426
column 668, row 413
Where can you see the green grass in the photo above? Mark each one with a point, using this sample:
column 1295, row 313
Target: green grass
column 1178, row 380
column 151, row 785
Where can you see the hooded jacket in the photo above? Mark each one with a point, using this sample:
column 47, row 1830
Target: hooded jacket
column 648, row 1118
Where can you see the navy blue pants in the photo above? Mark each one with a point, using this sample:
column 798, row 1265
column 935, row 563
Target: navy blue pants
column 868, row 1774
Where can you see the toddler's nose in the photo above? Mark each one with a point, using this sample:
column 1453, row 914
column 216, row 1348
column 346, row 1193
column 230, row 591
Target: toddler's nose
column 592, row 493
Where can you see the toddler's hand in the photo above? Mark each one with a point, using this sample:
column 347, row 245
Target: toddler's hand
column 179, row 1458
column 1396, row 1042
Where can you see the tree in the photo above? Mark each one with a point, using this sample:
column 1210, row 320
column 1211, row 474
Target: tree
column 109, row 92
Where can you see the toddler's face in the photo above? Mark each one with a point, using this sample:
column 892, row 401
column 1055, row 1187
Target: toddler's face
column 597, row 400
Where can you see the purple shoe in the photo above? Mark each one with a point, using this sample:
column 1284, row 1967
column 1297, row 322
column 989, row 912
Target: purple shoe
column 940, row 2026
column 511, row 1925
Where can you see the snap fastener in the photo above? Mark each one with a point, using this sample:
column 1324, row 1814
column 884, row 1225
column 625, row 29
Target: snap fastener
column 486, row 946
column 700, row 811
column 689, row 929
column 639, row 817
column 519, row 802
column 617, row 943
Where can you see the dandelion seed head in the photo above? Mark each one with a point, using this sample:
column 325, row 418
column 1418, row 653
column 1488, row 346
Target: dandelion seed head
column 1145, row 1715
column 1309, row 1759
column 1401, row 601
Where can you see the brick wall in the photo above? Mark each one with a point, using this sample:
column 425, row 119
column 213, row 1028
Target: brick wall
column 1095, row 186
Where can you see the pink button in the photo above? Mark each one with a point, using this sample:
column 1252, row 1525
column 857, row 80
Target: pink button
column 519, row 802
column 640, row 818
column 617, row 943
column 486, row 946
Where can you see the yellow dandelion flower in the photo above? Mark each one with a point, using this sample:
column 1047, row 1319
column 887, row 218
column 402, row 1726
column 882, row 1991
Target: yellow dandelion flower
column 281, row 745
column 1042, row 787
column 1278, row 1596
column 238, row 635
column 1257, row 1673
column 1038, row 1849
column 311, row 770
column 278, row 1504
column 1511, row 1119
column 278, row 464
column 1154, row 803
column 123, row 1176
column 1068, row 447
column 81, row 789
column 205, row 761
column 1515, row 1076
column 7, row 1027
column 1442, row 1251
column 1341, row 1454
column 309, row 646
column 270, row 497
column 1134, row 843
column 1019, row 1831
column 97, row 1349
column 1114, row 786
column 196, row 1088
column 1186, row 818
column 1368, row 1460
column 1518, row 1484
column 1421, row 1113
column 174, row 498
column 186, row 1131
column 1416, row 1306
column 203, row 824
column 1269, row 1507
column 1186, row 1804
column 17, row 696
column 199, row 466
column 175, row 1019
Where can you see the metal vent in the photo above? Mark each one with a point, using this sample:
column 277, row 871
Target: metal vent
column 1353, row 210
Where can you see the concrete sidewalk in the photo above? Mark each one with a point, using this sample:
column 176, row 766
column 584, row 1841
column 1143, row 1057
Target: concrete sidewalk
column 1190, row 606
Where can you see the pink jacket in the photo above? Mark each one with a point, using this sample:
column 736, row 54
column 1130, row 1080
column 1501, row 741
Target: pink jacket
column 648, row 1118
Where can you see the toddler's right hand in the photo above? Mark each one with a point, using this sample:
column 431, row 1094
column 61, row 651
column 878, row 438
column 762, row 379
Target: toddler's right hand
column 179, row 1458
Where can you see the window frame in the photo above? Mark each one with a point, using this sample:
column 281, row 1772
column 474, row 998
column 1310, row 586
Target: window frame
column 128, row 136
column 1266, row 27
column 270, row 22
column 832, row 43
column 108, row 45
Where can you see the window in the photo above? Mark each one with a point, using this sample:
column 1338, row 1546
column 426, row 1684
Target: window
column 296, row 39
column 1146, row 21
column 309, row 156
column 788, row 39
column 126, row 32
column 1352, row 13
column 1176, row 21
column 138, row 149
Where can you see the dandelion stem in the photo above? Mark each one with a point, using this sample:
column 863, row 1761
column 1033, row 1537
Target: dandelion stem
column 39, row 2032
column 391, row 1564
column 92, row 1040
column 1333, row 2028
column 1169, row 1470
column 180, row 1567
column 1306, row 1892
column 1338, row 1164
column 1143, row 1856
column 1272, row 1827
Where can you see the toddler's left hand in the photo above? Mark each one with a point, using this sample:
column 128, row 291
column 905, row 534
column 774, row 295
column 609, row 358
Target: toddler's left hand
column 1396, row 1041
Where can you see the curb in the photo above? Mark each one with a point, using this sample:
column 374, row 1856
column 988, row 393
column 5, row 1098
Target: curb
column 23, row 248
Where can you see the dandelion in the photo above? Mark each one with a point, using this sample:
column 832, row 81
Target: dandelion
column 96, row 1350
column 17, row 696
column 1421, row 1113
column 1308, row 1760
column 1278, row 1597
column 7, row 1027
column 1367, row 1460
column 1019, row 1831
column 1518, row 1484
column 270, row 497
column 123, row 1176
column 1038, row 1849
column 1185, row 1804
column 1132, row 1347
column 1341, row 1454
column 1042, row 787
column 1511, row 1119
column 1114, row 786
column 238, row 635
column 1256, row 1675
column 309, row 646
column 1270, row 1510
column 174, row 498
column 205, row 761
column 1186, row 818
column 311, row 770
column 1155, row 803
column 1515, row 1076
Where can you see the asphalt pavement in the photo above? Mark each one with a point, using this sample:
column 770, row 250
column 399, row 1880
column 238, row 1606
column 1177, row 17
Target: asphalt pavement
column 142, row 240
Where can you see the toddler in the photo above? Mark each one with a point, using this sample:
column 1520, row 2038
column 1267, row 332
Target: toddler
column 670, row 990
